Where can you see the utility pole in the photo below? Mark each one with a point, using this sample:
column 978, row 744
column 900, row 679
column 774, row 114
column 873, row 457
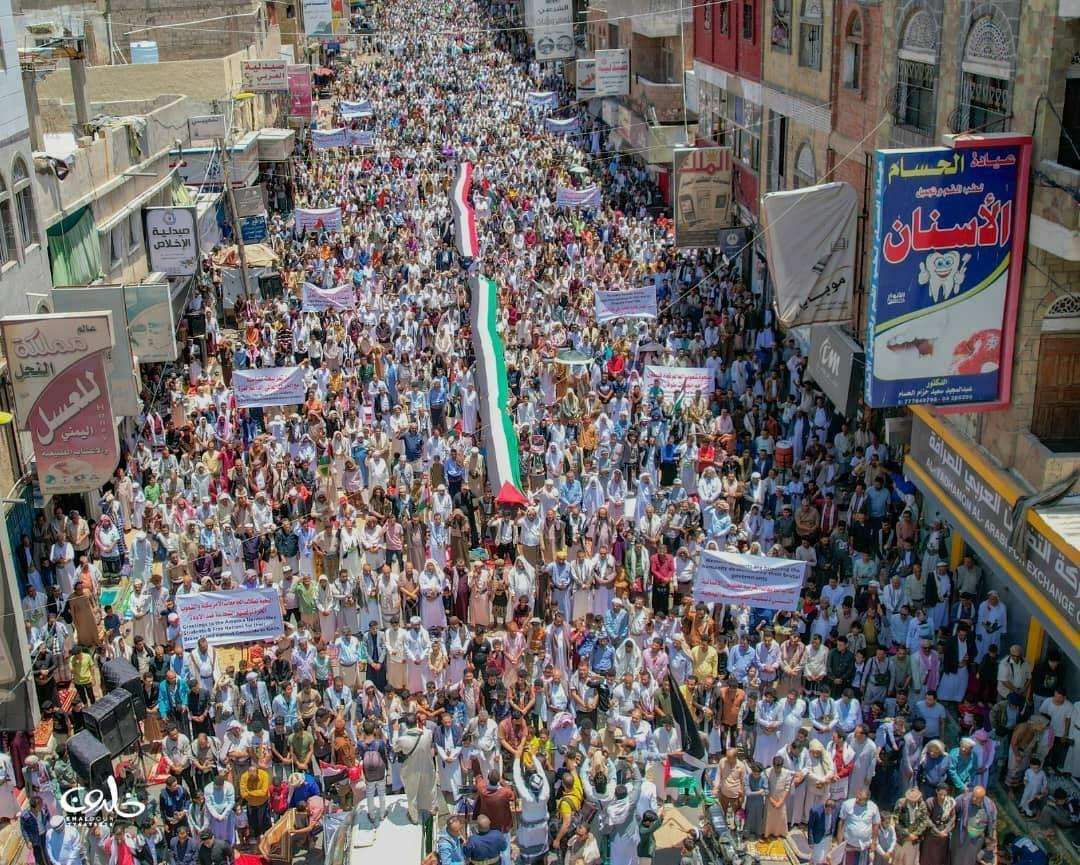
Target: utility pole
column 226, row 177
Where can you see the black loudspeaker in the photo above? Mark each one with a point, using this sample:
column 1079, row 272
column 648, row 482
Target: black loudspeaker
column 112, row 720
column 118, row 673
column 90, row 759
column 197, row 324
column 270, row 286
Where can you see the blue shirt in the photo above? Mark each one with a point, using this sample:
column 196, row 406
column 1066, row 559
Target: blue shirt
column 616, row 625
column 570, row 493
column 484, row 845
column 602, row 658
column 451, row 850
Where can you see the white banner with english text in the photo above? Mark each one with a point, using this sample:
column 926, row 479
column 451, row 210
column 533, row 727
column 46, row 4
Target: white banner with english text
column 274, row 385
column 317, row 299
column 239, row 616
column 632, row 303
column 673, row 380
column 753, row 581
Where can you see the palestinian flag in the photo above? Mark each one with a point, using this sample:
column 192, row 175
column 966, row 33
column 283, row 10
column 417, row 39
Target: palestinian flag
column 685, row 772
column 465, row 238
column 500, row 439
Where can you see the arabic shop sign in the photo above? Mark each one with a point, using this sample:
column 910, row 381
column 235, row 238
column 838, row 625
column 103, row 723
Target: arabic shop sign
column 969, row 491
column 949, row 226
column 86, row 807
column 58, row 365
column 172, row 237
column 120, row 364
column 265, row 76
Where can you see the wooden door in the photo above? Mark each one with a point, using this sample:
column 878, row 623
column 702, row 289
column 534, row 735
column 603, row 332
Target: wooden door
column 1056, row 418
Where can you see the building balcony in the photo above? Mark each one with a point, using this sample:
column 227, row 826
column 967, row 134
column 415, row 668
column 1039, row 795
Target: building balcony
column 657, row 103
column 1040, row 466
column 1055, row 218
column 653, row 19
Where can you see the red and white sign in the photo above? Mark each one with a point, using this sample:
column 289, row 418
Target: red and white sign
column 299, row 77
column 265, row 76
column 274, row 385
column 317, row 299
column 59, row 375
column 612, row 72
column 750, row 581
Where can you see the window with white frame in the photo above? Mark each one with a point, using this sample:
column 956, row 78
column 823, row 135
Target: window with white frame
column 8, row 241
column 986, row 90
column 811, row 19
column 853, row 53
column 748, row 22
column 706, row 15
column 781, row 25
column 916, row 73
column 24, row 203
column 725, row 15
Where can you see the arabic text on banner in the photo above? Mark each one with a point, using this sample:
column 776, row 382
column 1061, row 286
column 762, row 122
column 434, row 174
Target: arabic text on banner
column 949, row 226
column 324, row 139
column 810, row 245
column 223, row 618
column 352, row 110
column 317, row 299
column 325, row 219
column 544, row 99
column 755, row 581
column 567, row 197
column 672, row 380
column 273, row 385
column 562, row 127
column 632, row 303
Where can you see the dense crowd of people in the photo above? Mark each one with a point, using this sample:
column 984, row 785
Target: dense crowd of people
column 523, row 668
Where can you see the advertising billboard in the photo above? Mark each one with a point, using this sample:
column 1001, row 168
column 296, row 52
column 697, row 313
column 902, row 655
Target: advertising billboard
column 945, row 272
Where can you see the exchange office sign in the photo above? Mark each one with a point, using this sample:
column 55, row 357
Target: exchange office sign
column 1051, row 570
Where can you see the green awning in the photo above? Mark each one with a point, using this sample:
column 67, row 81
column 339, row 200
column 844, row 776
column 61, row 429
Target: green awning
column 74, row 249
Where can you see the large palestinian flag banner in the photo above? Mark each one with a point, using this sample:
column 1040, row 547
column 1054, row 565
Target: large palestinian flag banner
column 500, row 439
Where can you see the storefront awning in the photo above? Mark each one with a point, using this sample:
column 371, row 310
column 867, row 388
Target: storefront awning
column 978, row 498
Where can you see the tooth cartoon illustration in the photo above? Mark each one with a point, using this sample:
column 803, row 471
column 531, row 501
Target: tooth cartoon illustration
column 944, row 272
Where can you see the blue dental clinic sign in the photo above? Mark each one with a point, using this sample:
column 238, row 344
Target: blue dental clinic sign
column 949, row 222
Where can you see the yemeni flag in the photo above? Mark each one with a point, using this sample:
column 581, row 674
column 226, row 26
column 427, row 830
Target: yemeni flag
column 465, row 238
column 685, row 772
column 500, row 438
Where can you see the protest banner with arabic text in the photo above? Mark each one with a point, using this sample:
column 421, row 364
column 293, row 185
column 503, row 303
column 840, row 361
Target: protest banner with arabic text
column 224, row 618
column 754, row 581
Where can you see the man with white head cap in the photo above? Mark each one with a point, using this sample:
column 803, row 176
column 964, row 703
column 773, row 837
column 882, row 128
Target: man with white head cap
column 63, row 843
column 416, row 646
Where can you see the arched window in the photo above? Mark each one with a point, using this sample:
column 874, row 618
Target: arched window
column 986, row 92
column 805, row 169
column 853, row 53
column 811, row 21
column 1063, row 314
column 24, row 203
column 8, row 243
column 916, row 73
